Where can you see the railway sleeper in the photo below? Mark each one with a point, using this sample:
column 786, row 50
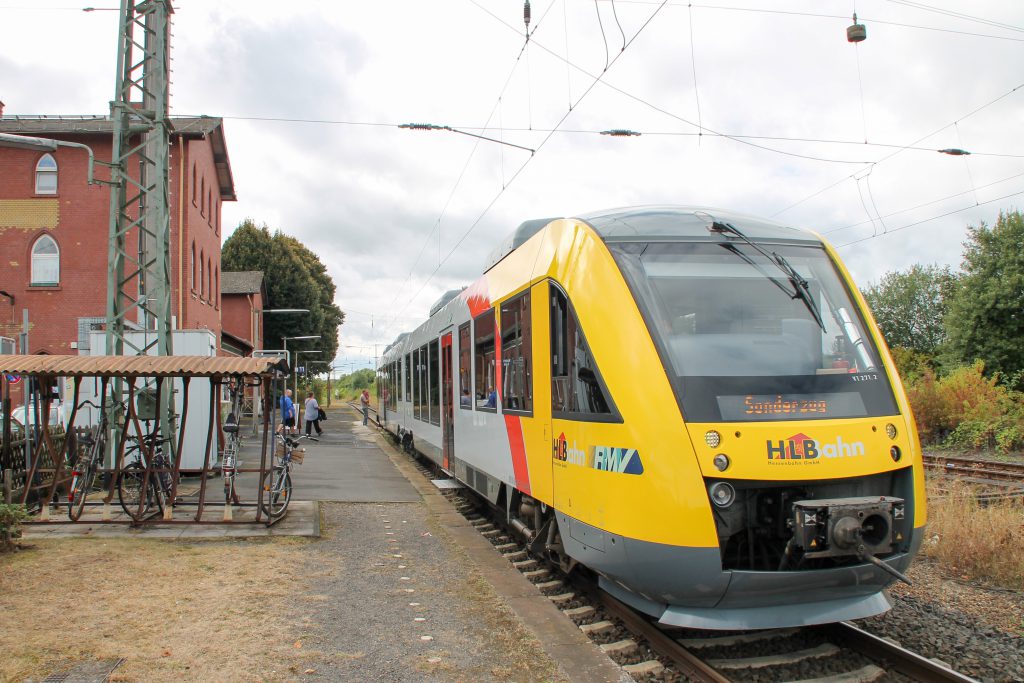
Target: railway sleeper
column 620, row 648
column 597, row 628
column 580, row 613
column 866, row 674
column 823, row 650
column 652, row 667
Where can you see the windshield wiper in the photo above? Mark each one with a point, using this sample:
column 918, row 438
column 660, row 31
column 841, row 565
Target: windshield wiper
column 800, row 288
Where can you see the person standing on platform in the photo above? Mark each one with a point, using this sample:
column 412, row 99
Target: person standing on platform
column 312, row 415
column 287, row 411
column 364, row 401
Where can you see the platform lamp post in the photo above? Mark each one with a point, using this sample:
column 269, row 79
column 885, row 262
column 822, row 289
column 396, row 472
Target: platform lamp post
column 258, row 333
column 285, row 340
column 297, row 354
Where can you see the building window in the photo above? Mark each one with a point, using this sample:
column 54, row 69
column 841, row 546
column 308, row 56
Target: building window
column 484, row 389
column 216, row 288
column 576, row 385
column 517, row 355
column 209, row 280
column 46, row 175
column 193, row 184
column 45, row 261
column 193, row 282
column 202, row 280
column 209, row 206
column 216, row 217
column 465, row 368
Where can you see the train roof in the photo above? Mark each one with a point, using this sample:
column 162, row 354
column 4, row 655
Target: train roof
column 657, row 223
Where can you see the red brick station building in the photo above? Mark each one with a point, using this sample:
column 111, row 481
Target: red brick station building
column 54, row 234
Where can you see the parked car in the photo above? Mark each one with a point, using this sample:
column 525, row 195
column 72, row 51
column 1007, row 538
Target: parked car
column 58, row 415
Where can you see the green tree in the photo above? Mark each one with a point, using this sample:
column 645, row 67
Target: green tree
column 986, row 316
column 910, row 306
column 294, row 278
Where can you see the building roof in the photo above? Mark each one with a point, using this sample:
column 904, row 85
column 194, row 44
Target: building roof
column 241, row 282
column 139, row 366
column 188, row 127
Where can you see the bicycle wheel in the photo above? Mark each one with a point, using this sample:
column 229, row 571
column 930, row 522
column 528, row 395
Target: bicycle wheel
column 80, row 487
column 129, row 491
column 277, row 492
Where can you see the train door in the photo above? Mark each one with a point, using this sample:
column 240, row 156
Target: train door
column 447, row 401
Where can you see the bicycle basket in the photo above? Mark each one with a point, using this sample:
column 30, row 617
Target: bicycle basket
column 298, row 455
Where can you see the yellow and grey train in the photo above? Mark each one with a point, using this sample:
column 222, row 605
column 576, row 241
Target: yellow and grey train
column 694, row 404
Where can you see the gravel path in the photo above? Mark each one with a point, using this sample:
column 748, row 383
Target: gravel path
column 978, row 630
column 392, row 598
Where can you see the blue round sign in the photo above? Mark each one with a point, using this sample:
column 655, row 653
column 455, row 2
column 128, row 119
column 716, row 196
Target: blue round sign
column 14, row 379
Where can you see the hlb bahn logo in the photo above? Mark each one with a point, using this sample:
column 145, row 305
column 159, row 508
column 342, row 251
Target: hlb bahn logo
column 604, row 458
column 566, row 453
column 803, row 447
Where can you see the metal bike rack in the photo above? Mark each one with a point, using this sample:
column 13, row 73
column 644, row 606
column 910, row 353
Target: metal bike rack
column 43, row 472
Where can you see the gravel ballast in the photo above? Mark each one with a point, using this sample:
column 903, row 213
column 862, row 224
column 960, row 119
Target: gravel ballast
column 964, row 624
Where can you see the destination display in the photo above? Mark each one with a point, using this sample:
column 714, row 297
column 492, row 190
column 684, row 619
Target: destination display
column 791, row 406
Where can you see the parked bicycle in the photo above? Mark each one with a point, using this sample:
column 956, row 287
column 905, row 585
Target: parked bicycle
column 132, row 478
column 232, row 444
column 92, row 451
column 277, row 483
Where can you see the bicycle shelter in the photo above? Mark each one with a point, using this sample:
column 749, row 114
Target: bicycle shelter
column 37, row 469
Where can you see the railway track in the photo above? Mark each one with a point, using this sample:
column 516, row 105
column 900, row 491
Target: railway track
column 1001, row 480
column 832, row 653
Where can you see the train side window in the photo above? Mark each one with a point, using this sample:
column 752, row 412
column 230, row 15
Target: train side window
column 407, row 369
column 465, row 377
column 516, row 355
column 434, row 383
column 412, row 383
column 485, row 395
column 421, row 383
column 576, row 385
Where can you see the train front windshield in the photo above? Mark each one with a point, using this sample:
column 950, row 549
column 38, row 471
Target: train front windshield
column 748, row 336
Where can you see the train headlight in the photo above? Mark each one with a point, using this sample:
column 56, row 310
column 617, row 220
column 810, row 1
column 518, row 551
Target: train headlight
column 890, row 430
column 722, row 494
column 721, row 462
column 895, row 453
column 712, row 438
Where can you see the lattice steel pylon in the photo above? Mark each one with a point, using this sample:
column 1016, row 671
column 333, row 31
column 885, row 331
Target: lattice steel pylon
column 138, row 260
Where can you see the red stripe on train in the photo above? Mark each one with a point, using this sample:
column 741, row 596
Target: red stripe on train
column 515, row 440
column 477, row 297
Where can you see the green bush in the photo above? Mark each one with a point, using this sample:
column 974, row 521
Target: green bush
column 967, row 410
column 11, row 517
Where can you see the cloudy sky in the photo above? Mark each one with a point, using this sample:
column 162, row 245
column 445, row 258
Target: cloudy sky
column 761, row 107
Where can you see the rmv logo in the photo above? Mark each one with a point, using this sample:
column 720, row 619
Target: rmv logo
column 803, row 447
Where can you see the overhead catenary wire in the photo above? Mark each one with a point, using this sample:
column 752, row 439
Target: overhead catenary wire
column 526, row 163
column 928, row 220
column 904, row 148
column 928, row 203
column 527, row 15
column 819, row 15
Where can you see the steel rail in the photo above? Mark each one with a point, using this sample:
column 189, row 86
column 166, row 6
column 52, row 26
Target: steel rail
column 693, row 667
column 892, row 656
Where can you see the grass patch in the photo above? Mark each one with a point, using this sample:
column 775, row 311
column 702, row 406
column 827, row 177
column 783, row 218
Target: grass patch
column 218, row 610
column 973, row 540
